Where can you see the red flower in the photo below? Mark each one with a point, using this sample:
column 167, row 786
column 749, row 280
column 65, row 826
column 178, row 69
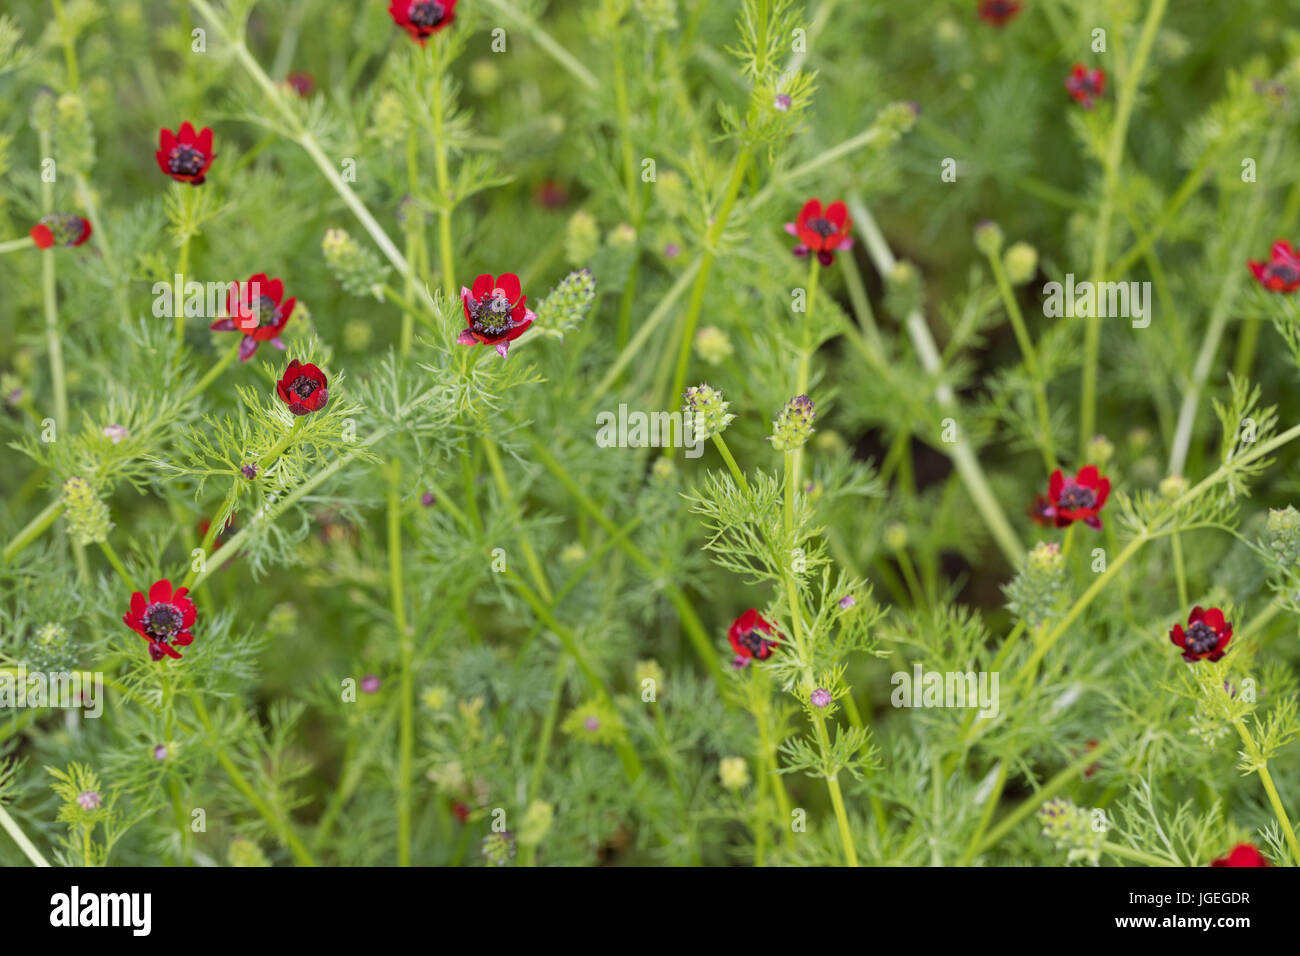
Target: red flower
column 1206, row 637
column 422, row 18
column 303, row 388
column 998, row 12
column 752, row 636
column 1282, row 271
column 62, row 228
column 164, row 619
column 820, row 232
column 494, row 312
column 259, row 310
column 460, row 810
column 301, row 82
column 1243, row 854
column 186, row 156
column 1073, row 499
column 1085, row 85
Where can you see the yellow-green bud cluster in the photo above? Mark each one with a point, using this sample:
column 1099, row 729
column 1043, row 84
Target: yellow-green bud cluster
column 244, row 852
column 1038, row 590
column 793, row 426
column 708, row 410
column 988, row 238
column 74, row 136
column 713, row 345
column 1283, row 529
column 733, row 772
column 537, row 821
column 88, row 520
column 356, row 268
column 390, row 120
column 581, row 238
column 569, row 302
column 1100, row 450
column 1069, row 827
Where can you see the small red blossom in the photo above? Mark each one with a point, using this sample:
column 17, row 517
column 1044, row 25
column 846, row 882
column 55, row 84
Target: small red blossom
column 461, row 811
column 1206, row 637
column 1068, row 500
column 163, row 619
column 301, row 82
column 1243, row 854
column 752, row 636
column 185, row 156
column 1281, row 273
column 998, row 12
column 550, row 194
column 303, row 388
column 60, row 228
column 259, row 309
column 1086, row 85
column 422, row 18
column 495, row 312
column 821, row 232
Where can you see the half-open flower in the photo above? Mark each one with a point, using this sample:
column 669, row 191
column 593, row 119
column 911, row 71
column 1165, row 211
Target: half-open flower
column 422, row 18
column 1243, row 854
column 752, row 636
column 1080, row 498
column 495, row 312
column 303, row 388
column 998, row 12
column 1086, row 85
column 259, row 309
column 1281, row 273
column 60, row 228
column 185, row 156
column 1206, row 637
column 163, row 619
column 821, row 231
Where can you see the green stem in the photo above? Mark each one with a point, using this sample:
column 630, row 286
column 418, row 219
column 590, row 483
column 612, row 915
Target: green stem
column 34, row 529
column 406, row 725
column 117, row 564
column 13, row 245
column 211, row 375
column 27, row 846
column 1140, row 856
column 1270, row 788
column 1030, row 355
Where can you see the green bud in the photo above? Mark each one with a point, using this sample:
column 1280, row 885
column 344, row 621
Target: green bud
column 895, row 536
column 1069, row 827
column 389, row 120
column 988, row 238
column 581, row 238
column 569, row 302
column 88, row 520
column 649, row 670
column 1283, row 529
column 1100, row 450
column 663, row 468
column 1038, row 591
column 484, row 76
column 713, row 345
column 573, row 553
column 74, row 135
column 357, row 335
column 733, row 772
column 244, row 852
column 1173, row 486
column 793, row 426
column 1138, row 440
column 536, row 823
column 356, row 268
column 708, row 411
column 1021, row 262
column 658, row 15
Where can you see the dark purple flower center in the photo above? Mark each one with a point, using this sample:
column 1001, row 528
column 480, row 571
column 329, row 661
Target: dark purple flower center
column 267, row 311
column 1201, row 638
column 823, row 227
column 426, row 15
column 1073, row 497
column 162, row 621
column 185, row 161
column 754, row 642
column 492, row 313
column 1285, row 271
column 303, row 386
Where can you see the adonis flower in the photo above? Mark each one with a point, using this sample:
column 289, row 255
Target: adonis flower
column 303, row 388
column 422, row 18
column 1206, row 637
column 185, row 156
column 821, row 232
column 259, row 310
column 495, row 312
column 1074, row 499
column 1243, row 854
column 998, row 12
column 163, row 619
column 1086, row 85
column 1282, row 271
column 62, row 228
column 752, row 636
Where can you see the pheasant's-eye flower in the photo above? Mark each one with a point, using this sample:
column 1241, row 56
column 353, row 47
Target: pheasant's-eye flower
column 821, row 231
column 550, row 194
column 259, row 309
column 733, row 772
column 163, row 619
column 793, row 425
column 301, row 82
column 185, row 156
column 1281, row 273
column 495, row 312
column 89, row 800
column 998, row 12
column 1086, row 85
column 1206, row 637
column 1243, row 854
column 708, row 410
column 303, row 388
column 752, row 636
column 61, row 228
column 422, row 18
column 1080, row 498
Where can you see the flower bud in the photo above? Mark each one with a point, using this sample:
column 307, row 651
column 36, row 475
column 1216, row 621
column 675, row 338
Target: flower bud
column 988, row 237
column 713, row 345
column 1173, row 486
column 1069, row 827
column 356, row 268
column 649, row 670
column 389, row 121
column 484, row 76
column 74, row 136
column 659, row 16
column 1283, row 530
column 1038, row 590
column 88, row 520
column 895, row 536
column 244, row 852
column 1100, row 450
column 536, row 822
column 569, row 302
column 793, row 426
column 733, row 772
column 708, row 411
column 1021, row 262
column 581, row 238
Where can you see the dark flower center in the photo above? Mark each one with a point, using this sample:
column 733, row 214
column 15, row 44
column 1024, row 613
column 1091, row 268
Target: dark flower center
column 186, row 161
column 162, row 621
column 426, row 15
column 753, row 642
column 303, row 386
column 1074, row 497
column 266, row 310
column 492, row 314
column 1201, row 638
column 823, row 227
column 1285, row 271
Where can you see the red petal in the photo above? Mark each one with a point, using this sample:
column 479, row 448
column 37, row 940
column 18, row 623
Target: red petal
column 42, row 236
column 1196, row 615
column 483, row 286
column 509, row 284
column 1088, row 476
column 811, row 210
column 205, row 141
column 838, row 214
column 1178, row 635
column 187, row 136
column 161, row 592
column 138, row 604
column 1054, row 486
column 166, row 140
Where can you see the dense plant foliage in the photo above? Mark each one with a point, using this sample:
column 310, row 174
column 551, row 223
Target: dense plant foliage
column 341, row 349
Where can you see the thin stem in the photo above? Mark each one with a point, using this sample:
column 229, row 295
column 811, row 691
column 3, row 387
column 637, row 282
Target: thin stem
column 1270, row 788
column 117, row 564
column 1139, row 856
column 34, row 529
column 548, row 43
column 443, row 179
column 27, row 846
column 406, row 726
column 69, row 46
column 1180, row 572
column 13, row 245
column 183, row 263
column 739, row 476
column 211, row 375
